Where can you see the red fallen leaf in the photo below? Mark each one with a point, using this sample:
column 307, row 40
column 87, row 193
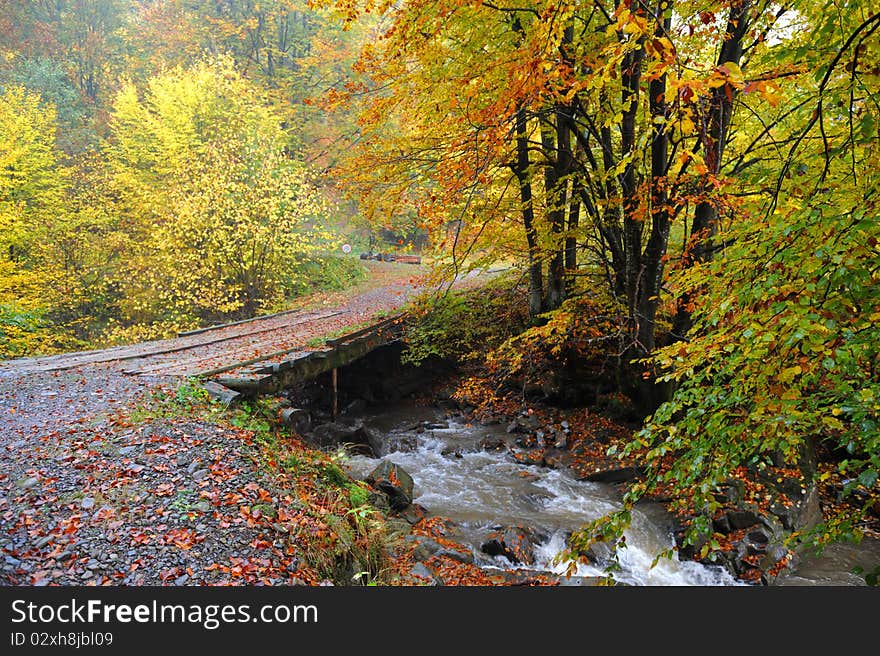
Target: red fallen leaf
column 73, row 527
column 183, row 538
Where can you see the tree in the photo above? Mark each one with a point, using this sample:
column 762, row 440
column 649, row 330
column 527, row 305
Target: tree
column 30, row 173
column 84, row 35
column 47, row 77
column 224, row 217
column 33, row 187
column 781, row 357
column 601, row 125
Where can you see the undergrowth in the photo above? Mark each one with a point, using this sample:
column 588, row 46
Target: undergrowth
column 341, row 537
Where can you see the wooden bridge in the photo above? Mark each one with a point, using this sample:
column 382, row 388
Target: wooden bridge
column 277, row 371
column 260, row 355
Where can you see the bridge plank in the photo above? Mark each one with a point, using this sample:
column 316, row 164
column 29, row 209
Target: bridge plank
column 306, row 366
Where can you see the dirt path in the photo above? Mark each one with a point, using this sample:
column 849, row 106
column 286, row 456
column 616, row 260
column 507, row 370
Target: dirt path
column 90, row 496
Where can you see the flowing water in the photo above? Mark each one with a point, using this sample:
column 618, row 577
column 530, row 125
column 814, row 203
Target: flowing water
column 842, row 564
column 481, row 489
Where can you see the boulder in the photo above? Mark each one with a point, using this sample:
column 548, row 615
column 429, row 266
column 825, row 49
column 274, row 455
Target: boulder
column 334, row 433
column 493, row 443
column 731, row 492
column 368, row 437
column 515, row 543
column 773, row 556
column 803, row 514
column 423, row 575
column 739, row 519
column 425, row 548
column 721, row 525
column 337, row 433
column 393, row 481
column 621, row 475
column 793, row 487
column 600, row 553
column 462, row 555
column 756, row 541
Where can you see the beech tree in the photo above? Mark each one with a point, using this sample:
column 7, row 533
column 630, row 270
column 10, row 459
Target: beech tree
column 781, row 358
column 224, row 217
column 602, row 125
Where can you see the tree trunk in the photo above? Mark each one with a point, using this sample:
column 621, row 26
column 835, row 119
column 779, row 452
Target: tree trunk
column 611, row 223
column 652, row 393
column 555, row 150
column 633, row 223
column 705, row 219
column 521, row 170
column 574, row 213
column 653, row 255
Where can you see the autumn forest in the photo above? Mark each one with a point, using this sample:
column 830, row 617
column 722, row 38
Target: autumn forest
column 646, row 243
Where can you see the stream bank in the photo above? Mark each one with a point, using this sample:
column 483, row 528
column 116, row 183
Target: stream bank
column 495, row 495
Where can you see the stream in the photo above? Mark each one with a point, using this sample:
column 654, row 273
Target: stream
column 455, row 478
column 482, row 490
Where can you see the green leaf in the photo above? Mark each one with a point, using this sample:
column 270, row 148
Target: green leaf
column 868, row 478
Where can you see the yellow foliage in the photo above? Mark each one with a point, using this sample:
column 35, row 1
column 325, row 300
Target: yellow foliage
column 224, row 215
